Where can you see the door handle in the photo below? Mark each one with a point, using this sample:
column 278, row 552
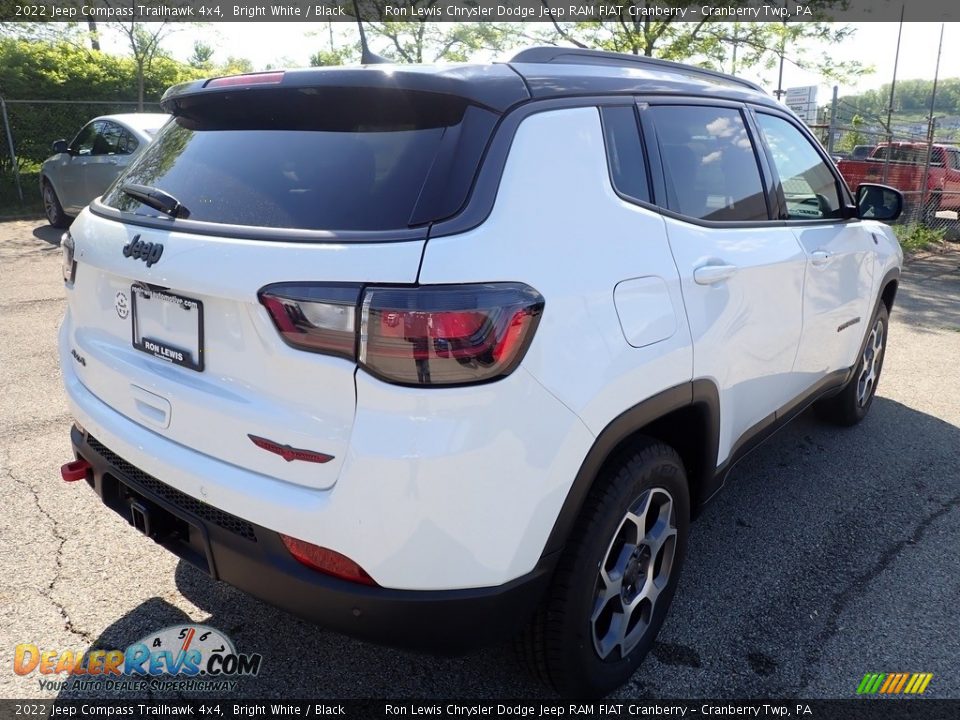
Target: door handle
column 713, row 274
column 819, row 257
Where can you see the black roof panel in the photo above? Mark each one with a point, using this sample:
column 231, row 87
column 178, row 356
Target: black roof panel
column 539, row 72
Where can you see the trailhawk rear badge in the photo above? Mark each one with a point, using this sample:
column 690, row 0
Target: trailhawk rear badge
column 289, row 453
column 178, row 658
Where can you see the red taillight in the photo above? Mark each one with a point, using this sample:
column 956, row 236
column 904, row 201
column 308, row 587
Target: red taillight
column 447, row 335
column 427, row 335
column 264, row 78
column 76, row 470
column 326, row 561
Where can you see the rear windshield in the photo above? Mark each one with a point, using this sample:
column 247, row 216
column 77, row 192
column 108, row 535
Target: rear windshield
column 302, row 162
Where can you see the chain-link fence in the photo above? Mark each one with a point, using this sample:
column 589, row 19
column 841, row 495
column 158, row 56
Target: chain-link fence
column 920, row 159
column 29, row 128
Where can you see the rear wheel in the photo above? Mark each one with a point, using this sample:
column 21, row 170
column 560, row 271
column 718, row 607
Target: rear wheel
column 52, row 208
column 615, row 579
column 852, row 403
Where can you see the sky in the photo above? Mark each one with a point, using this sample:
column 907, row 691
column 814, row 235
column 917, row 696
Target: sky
column 288, row 44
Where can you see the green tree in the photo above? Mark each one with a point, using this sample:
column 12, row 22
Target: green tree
column 714, row 42
column 853, row 137
column 235, row 66
column 144, row 44
column 339, row 56
column 43, row 70
column 202, row 56
column 423, row 39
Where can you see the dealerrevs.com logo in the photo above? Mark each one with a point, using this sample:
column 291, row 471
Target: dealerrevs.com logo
column 180, row 657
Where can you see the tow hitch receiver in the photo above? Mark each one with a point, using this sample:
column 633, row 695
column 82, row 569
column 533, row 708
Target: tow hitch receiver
column 76, row 470
column 140, row 517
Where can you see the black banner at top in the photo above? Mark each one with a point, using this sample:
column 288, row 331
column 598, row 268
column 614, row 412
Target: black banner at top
column 476, row 10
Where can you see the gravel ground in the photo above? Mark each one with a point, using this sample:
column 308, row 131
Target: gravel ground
column 829, row 554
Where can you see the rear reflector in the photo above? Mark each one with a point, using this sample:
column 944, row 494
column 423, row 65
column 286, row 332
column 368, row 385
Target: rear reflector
column 289, row 453
column 427, row 335
column 265, row 78
column 76, row 470
column 326, row 561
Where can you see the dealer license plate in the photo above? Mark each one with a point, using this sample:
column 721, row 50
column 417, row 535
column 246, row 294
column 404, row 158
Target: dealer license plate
column 167, row 326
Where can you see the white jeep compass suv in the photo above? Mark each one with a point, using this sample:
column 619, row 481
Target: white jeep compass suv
column 431, row 355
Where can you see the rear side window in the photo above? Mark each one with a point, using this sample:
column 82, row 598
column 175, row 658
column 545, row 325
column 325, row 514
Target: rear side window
column 127, row 143
column 709, row 163
column 108, row 139
column 296, row 161
column 628, row 169
column 83, row 143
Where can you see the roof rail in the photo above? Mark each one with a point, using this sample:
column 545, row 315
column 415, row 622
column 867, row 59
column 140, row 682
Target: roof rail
column 586, row 56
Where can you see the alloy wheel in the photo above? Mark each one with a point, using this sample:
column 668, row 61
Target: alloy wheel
column 634, row 572
column 870, row 364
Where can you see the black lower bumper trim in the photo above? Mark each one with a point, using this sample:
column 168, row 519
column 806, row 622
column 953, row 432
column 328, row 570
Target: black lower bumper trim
column 436, row 620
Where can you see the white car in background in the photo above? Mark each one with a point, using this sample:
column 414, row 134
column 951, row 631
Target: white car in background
column 81, row 171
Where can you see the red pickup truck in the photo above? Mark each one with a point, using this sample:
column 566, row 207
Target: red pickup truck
column 905, row 172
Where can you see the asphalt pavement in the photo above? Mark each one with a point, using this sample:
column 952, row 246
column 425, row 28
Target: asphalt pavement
column 830, row 553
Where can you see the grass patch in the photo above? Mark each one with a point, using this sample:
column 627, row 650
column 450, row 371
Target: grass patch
column 10, row 205
column 915, row 237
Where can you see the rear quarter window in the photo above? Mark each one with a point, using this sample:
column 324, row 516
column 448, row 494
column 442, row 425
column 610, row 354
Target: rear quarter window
column 628, row 167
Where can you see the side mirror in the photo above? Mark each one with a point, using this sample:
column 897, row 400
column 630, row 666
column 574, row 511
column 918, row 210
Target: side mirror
column 60, row 146
column 879, row 202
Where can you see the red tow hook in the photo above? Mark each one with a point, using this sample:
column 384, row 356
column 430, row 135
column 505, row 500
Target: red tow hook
column 76, row 470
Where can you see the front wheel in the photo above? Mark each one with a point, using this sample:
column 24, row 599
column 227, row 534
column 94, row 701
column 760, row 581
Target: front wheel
column 616, row 577
column 852, row 403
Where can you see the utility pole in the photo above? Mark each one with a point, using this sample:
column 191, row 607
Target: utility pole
column 833, row 121
column 783, row 52
column 893, row 85
column 931, row 125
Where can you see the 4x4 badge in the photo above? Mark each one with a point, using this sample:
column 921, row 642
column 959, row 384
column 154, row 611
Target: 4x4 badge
column 140, row 250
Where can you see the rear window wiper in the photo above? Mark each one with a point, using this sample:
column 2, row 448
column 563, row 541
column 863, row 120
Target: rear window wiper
column 157, row 199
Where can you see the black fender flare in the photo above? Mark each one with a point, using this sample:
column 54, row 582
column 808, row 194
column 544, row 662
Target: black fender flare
column 702, row 394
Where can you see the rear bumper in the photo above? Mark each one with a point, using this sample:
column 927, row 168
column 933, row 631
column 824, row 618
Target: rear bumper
column 253, row 559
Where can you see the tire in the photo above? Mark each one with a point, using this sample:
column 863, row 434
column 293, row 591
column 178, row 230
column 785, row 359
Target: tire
column 571, row 642
column 52, row 207
column 852, row 403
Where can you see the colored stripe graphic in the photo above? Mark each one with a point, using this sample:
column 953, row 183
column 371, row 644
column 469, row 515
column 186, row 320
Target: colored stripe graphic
column 894, row 683
column 887, row 683
column 870, row 683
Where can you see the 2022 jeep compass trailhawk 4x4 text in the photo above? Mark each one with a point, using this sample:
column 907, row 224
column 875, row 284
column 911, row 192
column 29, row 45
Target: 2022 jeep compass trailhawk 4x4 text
column 434, row 355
